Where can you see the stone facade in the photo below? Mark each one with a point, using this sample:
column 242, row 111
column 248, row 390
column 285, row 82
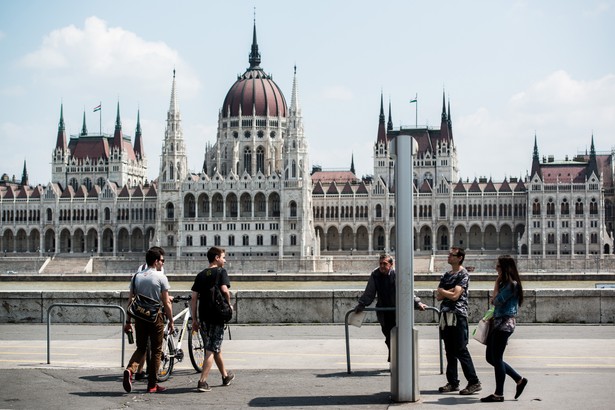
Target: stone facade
column 256, row 196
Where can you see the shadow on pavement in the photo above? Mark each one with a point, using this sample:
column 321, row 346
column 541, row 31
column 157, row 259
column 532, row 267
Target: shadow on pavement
column 313, row 401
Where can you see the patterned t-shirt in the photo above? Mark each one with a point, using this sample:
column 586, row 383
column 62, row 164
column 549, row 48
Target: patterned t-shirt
column 447, row 282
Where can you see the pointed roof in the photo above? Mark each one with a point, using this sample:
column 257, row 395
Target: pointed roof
column 24, row 174
column 425, row 187
column 61, row 139
column 536, row 160
column 152, row 192
column 117, row 135
column 124, row 193
column 444, row 124
column 382, row 136
column 333, row 189
column 94, row 192
column 362, row 188
column 459, row 187
column 69, row 192
column 22, row 192
column 294, row 99
column 255, row 56
column 318, row 190
column 9, row 192
column 505, row 187
column 138, row 192
column 390, row 122
column 520, row 187
column 84, row 129
column 352, row 164
column 173, row 106
column 81, row 192
column 592, row 166
column 37, row 192
column 490, row 187
column 347, row 190
column 138, row 146
column 475, row 187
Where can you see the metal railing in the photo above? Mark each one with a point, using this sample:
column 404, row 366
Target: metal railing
column 122, row 321
column 388, row 309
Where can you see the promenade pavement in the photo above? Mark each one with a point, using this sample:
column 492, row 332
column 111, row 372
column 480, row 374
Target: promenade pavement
column 300, row 367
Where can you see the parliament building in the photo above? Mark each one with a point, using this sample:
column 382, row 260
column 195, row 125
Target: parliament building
column 257, row 196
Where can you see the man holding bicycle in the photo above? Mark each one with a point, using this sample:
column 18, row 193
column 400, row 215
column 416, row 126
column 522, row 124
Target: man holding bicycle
column 211, row 327
column 153, row 284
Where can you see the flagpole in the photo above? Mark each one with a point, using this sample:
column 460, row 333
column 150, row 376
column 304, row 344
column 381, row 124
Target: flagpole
column 416, row 110
column 100, row 118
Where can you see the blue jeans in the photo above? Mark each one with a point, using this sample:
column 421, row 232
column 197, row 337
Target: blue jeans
column 496, row 344
column 456, row 346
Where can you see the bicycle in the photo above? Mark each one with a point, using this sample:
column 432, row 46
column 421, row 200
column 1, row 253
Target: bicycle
column 171, row 344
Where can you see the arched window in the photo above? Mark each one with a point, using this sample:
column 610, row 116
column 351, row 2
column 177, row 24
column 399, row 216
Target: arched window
column 247, row 160
column 293, row 209
column 260, row 158
column 170, row 211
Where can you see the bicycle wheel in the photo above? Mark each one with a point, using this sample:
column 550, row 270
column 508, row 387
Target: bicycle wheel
column 166, row 360
column 196, row 349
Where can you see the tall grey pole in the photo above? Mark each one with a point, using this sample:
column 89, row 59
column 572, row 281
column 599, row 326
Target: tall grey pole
column 404, row 384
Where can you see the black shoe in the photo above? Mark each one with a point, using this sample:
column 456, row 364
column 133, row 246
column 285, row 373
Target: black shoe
column 127, row 382
column 228, row 379
column 520, row 387
column 492, row 398
column 140, row 376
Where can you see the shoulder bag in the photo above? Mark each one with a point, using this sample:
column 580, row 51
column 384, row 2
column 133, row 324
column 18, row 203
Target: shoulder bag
column 142, row 307
column 221, row 307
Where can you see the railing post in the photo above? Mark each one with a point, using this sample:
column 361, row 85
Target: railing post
column 122, row 320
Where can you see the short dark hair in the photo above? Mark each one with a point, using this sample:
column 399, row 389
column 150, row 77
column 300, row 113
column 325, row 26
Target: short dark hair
column 152, row 256
column 213, row 252
column 159, row 249
column 460, row 253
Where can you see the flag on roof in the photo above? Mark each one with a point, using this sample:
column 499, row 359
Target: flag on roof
column 97, row 108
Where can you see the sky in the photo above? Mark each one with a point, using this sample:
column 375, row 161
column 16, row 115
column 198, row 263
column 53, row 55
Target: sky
column 512, row 71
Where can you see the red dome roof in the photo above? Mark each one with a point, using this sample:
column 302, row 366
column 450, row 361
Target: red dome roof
column 256, row 94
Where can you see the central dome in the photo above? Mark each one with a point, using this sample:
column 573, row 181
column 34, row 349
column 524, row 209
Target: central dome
column 254, row 93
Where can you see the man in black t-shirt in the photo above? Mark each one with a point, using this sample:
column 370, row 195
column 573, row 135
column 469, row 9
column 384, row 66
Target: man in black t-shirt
column 210, row 326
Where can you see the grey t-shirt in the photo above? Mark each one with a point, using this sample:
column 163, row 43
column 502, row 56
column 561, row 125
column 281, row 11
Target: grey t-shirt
column 151, row 283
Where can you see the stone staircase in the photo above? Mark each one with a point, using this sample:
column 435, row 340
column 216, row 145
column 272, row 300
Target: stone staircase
column 67, row 265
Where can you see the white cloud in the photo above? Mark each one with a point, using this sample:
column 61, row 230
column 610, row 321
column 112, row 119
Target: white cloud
column 562, row 111
column 98, row 54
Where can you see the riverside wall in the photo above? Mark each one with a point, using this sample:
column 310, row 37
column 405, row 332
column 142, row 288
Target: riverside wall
column 579, row 306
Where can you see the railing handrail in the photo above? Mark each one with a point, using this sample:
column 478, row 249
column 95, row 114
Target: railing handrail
column 386, row 309
column 122, row 320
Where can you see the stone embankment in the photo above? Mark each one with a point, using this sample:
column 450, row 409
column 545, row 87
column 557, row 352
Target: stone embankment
column 591, row 306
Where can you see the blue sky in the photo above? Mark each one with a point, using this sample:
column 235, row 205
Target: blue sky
column 511, row 69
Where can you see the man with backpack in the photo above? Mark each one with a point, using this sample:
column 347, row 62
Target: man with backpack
column 210, row 324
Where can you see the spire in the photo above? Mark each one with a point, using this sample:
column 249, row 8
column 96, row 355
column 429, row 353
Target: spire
column 382, row 138
column 450, row 120
column 592, row 166
column 255, row 56
column 536, row 160
column 294, row 101
column 390, row 123
column 117, row 135
column 444, row 124
column 84, row 129
column 61, row 140
column 24, row 175
column 174, row 107
column 138, row 147
column 352, row 164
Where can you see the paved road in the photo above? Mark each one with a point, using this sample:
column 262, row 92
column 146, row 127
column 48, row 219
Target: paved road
column 300, row 367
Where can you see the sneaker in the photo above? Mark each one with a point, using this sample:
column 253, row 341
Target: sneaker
column 228, row 379
column 471, row 389
column 520, row 387
column 448, row 387
column 127, row 380
column 203, row 387
column 140, row 376
column 156, row 389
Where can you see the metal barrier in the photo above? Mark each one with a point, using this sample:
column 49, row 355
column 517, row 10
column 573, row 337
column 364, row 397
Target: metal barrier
column 122, row 321
column 387, row 309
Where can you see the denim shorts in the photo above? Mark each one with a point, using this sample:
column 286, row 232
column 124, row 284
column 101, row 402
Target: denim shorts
column 212, row 335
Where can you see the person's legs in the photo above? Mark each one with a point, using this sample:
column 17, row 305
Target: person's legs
column 212, row 340
column 462, row 352
column 498, row 343
column 141, row 336
column 448, row 336
column 387, row 323
column 155, row 343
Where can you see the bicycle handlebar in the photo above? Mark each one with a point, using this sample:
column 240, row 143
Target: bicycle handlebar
column 181, row 298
